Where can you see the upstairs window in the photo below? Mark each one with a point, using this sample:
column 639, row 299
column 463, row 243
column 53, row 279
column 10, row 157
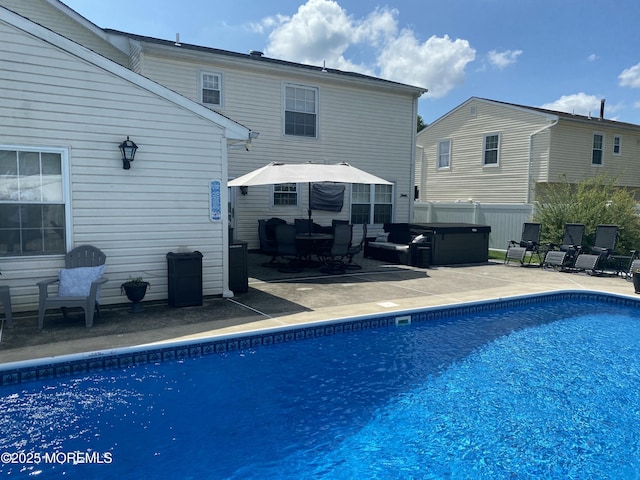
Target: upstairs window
column 598, row 148
column 211, row 89
column 33, row 210
column 300, row 111
column 444, row 153
column 285, row 194
column 491, row 149
column 617, row 145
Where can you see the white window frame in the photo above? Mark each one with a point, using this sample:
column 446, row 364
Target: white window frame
column 617, row 143
column 594, row 149
column 65, row 201
column 299, row 106
column 373, row 201
column 202, row 84
column 442, row 165
column 274, row 191
column 485, row 150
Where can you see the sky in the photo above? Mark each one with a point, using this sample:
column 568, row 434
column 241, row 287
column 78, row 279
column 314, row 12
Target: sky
column 563, row 55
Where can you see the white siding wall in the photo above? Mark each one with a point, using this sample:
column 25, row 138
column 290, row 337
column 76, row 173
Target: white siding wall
column 369, row 128
column 571, row 149
column 467, row 178
column 51, row 98
column 43, row 13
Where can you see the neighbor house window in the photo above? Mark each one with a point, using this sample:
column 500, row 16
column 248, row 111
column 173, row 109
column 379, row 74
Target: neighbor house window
column 598, row 148
column 491, row 149
column 32, row 202
column 444, row 153
column 285, row 194
column 617, row 145
column 211, row 88
column 300, row 111
column 371, row 204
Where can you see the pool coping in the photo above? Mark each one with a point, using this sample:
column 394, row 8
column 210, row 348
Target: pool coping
column 24, row 371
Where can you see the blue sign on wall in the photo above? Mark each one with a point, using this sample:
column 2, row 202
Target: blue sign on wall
column 215, row 201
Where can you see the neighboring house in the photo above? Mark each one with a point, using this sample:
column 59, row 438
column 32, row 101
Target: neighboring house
column 496, row 152
column 186, row 107
column 64, row 110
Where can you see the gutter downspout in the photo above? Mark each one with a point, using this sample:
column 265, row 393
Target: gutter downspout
column 531, row 135
column 412, row 170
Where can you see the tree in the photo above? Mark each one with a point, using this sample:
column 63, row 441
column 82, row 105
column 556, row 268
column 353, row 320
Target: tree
column 591, row 202
column 421, row 124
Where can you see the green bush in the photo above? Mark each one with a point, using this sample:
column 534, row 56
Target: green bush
column 593, row 202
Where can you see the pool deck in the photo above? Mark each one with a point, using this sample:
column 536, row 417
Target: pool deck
column 279, row 300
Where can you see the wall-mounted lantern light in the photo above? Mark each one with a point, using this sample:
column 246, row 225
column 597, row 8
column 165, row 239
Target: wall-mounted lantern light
column 128, row 151
column 244, row 189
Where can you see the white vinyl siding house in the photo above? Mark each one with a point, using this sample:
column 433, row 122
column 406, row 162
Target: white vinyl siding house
column 366, row 122
column 64, row 101
column 525, row 147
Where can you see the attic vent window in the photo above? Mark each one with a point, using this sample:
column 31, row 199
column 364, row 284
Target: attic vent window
column 473, row 111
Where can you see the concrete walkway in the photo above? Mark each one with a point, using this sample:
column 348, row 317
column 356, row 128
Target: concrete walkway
column 274, row 300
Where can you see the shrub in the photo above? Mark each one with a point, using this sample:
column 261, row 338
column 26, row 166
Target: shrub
column 592, row 202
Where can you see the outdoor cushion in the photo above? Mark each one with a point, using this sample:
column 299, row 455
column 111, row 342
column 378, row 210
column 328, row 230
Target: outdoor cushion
column 76, row 282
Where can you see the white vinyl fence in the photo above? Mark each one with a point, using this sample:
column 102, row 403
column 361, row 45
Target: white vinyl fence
column 505, row 220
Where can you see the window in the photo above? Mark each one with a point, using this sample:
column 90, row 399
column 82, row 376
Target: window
column 617, row 145
column 598, row 147
column 491, row 149
column 211, row 88
column 300, row 111
column 285, row 194
column 444, row 154
column 371, row 203
column 32, row 202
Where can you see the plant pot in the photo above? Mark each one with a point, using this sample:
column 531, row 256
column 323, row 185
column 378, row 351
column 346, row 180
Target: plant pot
column 135, row 292
column 636, row 282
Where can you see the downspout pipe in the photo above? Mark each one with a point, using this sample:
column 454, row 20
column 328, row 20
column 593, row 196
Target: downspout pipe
column 530, row 159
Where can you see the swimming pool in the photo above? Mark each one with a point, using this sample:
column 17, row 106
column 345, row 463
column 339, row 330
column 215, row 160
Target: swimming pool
column 545, row 386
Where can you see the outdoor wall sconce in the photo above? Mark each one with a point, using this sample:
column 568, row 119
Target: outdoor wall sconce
column 128, row 150
column 244, row 189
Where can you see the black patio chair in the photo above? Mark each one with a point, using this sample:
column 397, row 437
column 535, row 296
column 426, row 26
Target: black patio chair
column 267, row 237
column 288, row 249
column 355, row 249
column 562, row 257
column 598, row 257
column 334, row 257
column 529, row 243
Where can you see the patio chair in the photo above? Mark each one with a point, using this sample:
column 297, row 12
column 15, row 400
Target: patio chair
column 529, row 243
column 634, row 265
column 333, row 257
column 288, row 249
column 595, row 261
column 267, row 237
column 78, row 284
column 561, row 257
column 356, row 249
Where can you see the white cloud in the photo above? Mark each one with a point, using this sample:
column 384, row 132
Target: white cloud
column 578, row 103
column 630, row 77
column 322, row 31
column 504, row 59
column 593, row 57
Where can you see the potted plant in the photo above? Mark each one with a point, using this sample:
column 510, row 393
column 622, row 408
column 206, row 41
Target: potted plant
column 135, row 289
column 636, row 280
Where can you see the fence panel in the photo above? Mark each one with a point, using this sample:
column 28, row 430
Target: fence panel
column 505, row 219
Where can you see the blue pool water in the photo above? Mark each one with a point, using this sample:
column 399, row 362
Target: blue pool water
column 544, row 391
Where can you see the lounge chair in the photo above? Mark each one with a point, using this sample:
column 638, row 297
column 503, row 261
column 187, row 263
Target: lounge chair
column 595, row 261
column 78, row 284
column 529, row 243
column 563, row 256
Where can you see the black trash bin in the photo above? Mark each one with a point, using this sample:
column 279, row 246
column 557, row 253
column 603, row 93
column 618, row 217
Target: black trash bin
column 185, row 279
column 238, row 267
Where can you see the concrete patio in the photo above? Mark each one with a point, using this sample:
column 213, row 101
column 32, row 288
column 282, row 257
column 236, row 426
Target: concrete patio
column 277, row 299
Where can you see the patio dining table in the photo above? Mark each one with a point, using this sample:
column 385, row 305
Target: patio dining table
column 312, row 244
